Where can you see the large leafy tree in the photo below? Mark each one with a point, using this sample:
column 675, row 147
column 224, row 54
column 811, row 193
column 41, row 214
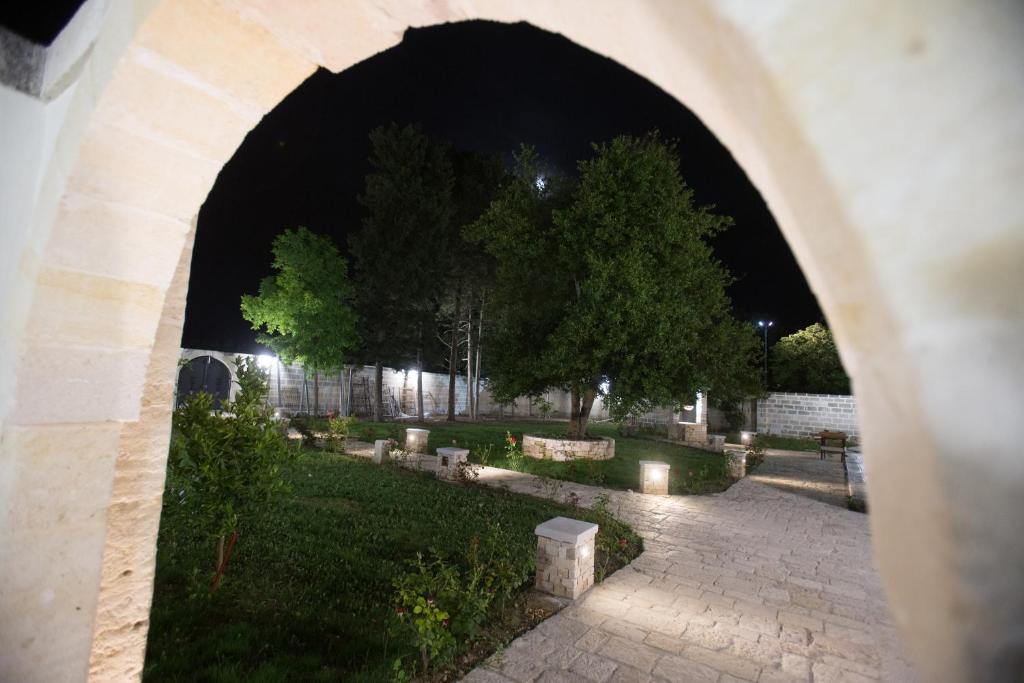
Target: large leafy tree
column 399, row 264
column 808, row 361
column 609, row 286
column 304, row 310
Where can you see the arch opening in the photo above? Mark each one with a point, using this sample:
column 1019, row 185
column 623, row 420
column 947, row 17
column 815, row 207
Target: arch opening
column 135, row 149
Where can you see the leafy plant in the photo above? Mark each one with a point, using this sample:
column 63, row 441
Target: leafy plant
column 439, row 603
column 338, row 430
column 514, row 453
column 222, row 467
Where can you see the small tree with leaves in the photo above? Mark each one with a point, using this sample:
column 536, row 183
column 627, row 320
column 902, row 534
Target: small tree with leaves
column 223, row 466
column 305, row 307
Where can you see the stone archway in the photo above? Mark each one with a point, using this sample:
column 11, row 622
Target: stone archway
column 867, row 127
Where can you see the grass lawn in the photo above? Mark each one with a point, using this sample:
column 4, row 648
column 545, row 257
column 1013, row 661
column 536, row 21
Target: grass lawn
column 692, row 471
column 308, row 593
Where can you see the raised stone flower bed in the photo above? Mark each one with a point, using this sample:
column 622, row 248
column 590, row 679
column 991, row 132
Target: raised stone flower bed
column 545, row 448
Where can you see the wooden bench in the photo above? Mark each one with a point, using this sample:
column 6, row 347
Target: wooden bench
column 832, row 442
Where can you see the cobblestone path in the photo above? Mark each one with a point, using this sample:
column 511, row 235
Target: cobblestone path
column 754, row 584
column 804, row 474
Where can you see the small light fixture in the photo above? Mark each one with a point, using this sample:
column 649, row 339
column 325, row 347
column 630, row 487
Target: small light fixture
column 265, row 361
column 585, row 552
column 687, row 407
column 655, row 475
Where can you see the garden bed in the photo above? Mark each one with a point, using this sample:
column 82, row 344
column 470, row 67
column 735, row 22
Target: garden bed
column 308, row 594
column 561, row 449
column 693, row 470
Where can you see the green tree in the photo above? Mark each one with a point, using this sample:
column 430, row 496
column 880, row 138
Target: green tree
column 398, row 253
column 610, row 287
column 222, row 467
column 305, row 308
column 807, row 361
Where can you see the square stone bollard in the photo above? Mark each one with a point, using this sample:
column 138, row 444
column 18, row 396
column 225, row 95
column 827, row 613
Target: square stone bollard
column 737, row 462
column 654, row 477
column 381, row 451
column 416, row 440
column 448, row 460
column 565, row 556
column 747, row 438
column 716, row 442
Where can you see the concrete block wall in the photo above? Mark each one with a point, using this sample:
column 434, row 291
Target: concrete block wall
column 804, row 415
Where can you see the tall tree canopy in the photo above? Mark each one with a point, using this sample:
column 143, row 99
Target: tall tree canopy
column 398, row 253
column 807, row 361
column 609, row 286
column 304, row 310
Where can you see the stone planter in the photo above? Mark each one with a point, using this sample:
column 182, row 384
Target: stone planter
column 416, row 440
column 560, row 450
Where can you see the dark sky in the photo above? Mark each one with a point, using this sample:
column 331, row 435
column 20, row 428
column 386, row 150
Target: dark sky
column 482, row 86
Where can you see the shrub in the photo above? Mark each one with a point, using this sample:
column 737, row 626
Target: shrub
column 338, row 430
column 439, row 603
column 222, row 466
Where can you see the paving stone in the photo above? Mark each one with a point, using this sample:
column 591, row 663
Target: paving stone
column 676, row 668
column 755, row 583
column 636, row 655
column 593, row 667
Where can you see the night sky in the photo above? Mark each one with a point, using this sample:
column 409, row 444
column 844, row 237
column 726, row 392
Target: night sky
column 482, row 86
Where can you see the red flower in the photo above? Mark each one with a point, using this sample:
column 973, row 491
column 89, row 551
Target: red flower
column 444, row 623
column 622, row 542
column 401, row 610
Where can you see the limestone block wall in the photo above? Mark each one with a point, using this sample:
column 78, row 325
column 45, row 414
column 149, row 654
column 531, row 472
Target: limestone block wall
column 804, row 415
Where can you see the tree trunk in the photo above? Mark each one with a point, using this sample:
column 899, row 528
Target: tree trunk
column 476, row 377
column 419, row 385
column 316, row 393
column 574, row 413
column 348, row 394
column 453, row 355
column 341, row 392
column 378, row 392
column 469, row 363
column 579, row 411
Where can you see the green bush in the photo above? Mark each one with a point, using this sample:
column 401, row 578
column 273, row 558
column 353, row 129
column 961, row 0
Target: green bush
column 223, row 466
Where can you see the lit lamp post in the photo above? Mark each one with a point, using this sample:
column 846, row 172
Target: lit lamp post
column 765, row 324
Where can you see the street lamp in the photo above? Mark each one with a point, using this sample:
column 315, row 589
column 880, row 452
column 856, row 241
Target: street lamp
column 765, row 324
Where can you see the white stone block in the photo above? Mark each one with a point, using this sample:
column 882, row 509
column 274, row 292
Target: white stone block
column 381, row 451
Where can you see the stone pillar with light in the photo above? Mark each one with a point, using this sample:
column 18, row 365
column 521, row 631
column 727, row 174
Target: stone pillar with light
column 449, row 459
column 654, row 477
column 565, row 556
column 737, row 462
column 416, row 440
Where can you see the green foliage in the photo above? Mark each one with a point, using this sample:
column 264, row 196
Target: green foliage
column 224, row 467
column 808, row 362
column 406, row 231
column 441, row 603
column 338, row 430
column 305, row 308
column 612, row 281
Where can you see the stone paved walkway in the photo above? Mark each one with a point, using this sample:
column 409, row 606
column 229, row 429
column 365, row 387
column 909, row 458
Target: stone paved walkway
column 804, row 474
column 754, row 584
